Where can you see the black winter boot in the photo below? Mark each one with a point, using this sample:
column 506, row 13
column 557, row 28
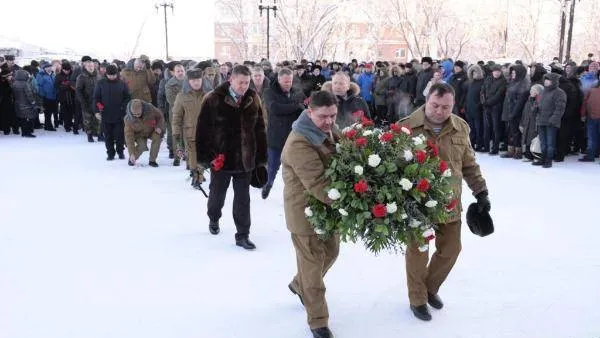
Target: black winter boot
column 435, row 301
column 547, row 164
column 421, row 312
column 322, row 332
column 539, row 162
column 90, row 138
column 213, row 227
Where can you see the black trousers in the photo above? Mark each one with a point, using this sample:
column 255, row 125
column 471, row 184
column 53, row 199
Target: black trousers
column 67, row 112
column 563, row 143
column 27, row 126
column 492, row 129
column 219, row 183
column 114, row 134
column 514, row 134
column 50, row 109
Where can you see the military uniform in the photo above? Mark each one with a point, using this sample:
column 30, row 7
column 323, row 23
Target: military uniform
column 304, row 158
column 186, row 110
column 455, row 148
column 139, row 130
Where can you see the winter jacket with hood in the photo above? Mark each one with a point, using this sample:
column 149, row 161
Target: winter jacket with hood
column 46, row 83
column 538, row 74
column 530, row 113
column 348, row 104
column 553, row 103
column 110, row 99
column 517, row 92
column 25, row 102
column 574, row 98
column 473, row 98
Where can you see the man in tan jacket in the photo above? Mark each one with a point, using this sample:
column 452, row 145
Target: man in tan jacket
column 139, row 80
column 143, row 121
column 185, row 118
column 304, row 158
column 451, row 134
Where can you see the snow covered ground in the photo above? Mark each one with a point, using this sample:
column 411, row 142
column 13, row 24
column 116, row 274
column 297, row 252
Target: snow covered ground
column 97, row 249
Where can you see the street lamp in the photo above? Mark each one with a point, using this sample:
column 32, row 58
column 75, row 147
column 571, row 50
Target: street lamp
column 268, row 9
column 164, row 5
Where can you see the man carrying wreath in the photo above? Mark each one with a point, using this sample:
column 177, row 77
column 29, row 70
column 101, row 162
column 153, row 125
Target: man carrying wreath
column 304, row 158
column 449, row 135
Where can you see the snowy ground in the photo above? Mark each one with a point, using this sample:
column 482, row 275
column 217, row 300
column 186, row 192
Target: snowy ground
column 97, row 249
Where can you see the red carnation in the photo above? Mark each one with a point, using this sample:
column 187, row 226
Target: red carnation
column 430, row 237
column 218, row 163
column 379, row 211
column 100, row 106
column 366, row 122
column 421, row 156
column 361, row 142
column 423, row 185
column 358, row 115
column 395, row 127
column 452, row 205
column 350, row 133
column 386, row 137
column 435, row 151
column 443, row 166
column 361, row 186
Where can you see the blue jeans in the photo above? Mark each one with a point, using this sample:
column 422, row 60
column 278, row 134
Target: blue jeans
column 547, row 136
column 593, row 131
column 273, row 163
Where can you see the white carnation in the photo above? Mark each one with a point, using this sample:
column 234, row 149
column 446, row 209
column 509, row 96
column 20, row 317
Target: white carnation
column 428, row 233
column 447, row 173
column 334, row 194
column 406, row 184
column 359, row 170
column 308, row 212
column 405, row 130
column 423, row 137
column 404, row 216
column 367, row 133
column 343, row 212
column 431, row 204
column 408, row 155
column 338, row 147
column 358, row 126
column 347, row 129
column 424, row 248
column 391, row 207
column 374, row 160
column 417, row 141
column 414, row 223
column 320, row 231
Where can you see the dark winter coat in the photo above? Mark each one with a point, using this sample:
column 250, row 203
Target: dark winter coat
column 538, row 74
column 46, row 84
column 7, row 104
column 110, row 99
column 66, row 88
column 238, row 132
column 518, row 92
column 473, row 105
column 282, row 110
column 411, row 83
column 25, row 102
column 574, row 98
column 493, row 93
column 266, row 83
column 423, row 79
column 161, row 98
column 380, row 88
column 349, row 104
column 528, row 119
column 458, row 81
column 84, row 90
column 553, row 103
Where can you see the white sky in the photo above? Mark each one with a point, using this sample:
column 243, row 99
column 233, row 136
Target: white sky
column 111, row 28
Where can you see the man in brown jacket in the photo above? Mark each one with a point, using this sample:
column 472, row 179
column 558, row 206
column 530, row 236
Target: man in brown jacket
column 139, row 80
column 143, row 121
column 185, row 118
column 304, row 158
column 451, row 134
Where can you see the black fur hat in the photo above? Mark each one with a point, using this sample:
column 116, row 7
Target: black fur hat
column 426, row 59
column 481, row 224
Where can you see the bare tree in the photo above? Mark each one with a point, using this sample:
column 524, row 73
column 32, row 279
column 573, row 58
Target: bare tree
column 235, row 27
column 453, row 34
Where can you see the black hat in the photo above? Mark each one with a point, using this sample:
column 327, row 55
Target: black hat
column 259, row 177
column 9, row 57
column 157, row 65
column 460, row 64
column 481, row 224
column 86, row 59
column 66, row 65
column 317, row 67
column 34, row 63
column 495, row 67
column 193, row 74
column 427, row 59
column 112, row 70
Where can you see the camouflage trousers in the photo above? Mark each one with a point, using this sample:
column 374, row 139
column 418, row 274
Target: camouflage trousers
column 91, row 123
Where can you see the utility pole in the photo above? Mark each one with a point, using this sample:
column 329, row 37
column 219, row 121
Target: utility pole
column 563, row 21
column 268, row 9
column 164, row 5
column 570, row 34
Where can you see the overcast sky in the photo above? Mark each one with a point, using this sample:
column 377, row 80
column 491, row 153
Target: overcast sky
column 111, row 27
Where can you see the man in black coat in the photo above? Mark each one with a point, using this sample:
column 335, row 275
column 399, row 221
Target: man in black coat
column 458, row 81
column 423, row 79
column 231, row 139
column 284, row 104
column 492, row 99
column 570, row 117
column 66, row 95
column 111, row 96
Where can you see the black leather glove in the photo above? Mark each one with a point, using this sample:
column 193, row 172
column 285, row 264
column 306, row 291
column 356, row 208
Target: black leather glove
column 483, row 202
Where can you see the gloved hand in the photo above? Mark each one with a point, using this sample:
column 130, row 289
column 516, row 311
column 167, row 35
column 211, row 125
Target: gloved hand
column 483, row 202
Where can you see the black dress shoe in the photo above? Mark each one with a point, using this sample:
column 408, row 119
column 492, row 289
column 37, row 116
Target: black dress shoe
column 110, row 157
column 293, row 290
column 121, row 155
column 421, row 312
column 322, row 332
column 435, row 301
column 153, row 164
column 213, row 227
column 245, row 243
